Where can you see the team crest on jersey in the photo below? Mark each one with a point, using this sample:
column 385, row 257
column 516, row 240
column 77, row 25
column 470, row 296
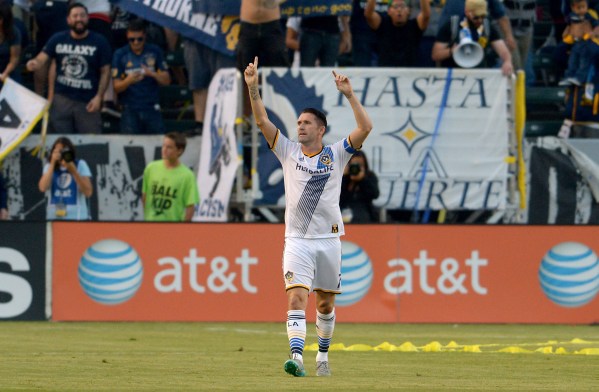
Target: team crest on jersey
column 325, row 159
column 289, row 276
column 335, row 228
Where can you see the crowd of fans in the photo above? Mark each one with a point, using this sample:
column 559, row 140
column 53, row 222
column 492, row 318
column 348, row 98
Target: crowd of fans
column 384, row 33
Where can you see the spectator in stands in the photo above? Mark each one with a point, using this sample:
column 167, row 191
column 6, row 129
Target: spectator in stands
column 99, row 18
column 578, row 37
column 521, row 14
column 3, row 199
column 100, row 21
column 138, row 71
column 118, row 28
column 67, row 180
column 480, row 30
column 497, row 12
column 49, row 20
column 359, row 188
column 82, row 59
column 430, row 34
column 260, row 34
column 323, row 39
column 202, row 63
column 364, row 41
column 398, row 35
column 292, row 39
column 10, row 44
column 169, row 189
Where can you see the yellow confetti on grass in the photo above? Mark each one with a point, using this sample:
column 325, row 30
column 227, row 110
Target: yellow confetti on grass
column 549, row 347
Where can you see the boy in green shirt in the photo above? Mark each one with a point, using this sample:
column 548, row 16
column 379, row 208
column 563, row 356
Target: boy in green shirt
column 169, row 190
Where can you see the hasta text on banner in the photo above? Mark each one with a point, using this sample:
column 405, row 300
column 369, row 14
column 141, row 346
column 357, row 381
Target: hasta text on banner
column 466, row 166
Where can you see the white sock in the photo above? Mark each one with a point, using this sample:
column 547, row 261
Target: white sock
column 325, row 325
column 296, row 332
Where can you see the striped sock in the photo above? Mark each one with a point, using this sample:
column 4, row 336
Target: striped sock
column 325, row 325
column 296, row 332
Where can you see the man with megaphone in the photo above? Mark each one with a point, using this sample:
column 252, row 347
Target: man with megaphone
column 463, row 43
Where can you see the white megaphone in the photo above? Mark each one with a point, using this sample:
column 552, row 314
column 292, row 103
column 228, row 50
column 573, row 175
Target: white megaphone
column 468, row 54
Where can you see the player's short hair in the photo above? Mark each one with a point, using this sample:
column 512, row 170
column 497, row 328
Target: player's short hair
column 179, row 139
column 319, row 115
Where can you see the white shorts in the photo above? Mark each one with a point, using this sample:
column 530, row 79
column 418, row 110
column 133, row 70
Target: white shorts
column 313, row 263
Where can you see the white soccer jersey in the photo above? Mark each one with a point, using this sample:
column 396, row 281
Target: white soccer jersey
column 312, row 187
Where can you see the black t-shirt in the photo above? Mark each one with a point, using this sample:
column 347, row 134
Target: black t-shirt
column 444, row 36
column 398, row 45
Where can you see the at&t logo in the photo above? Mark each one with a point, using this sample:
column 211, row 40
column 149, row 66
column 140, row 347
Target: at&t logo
column 110, row 272
column 569, row 274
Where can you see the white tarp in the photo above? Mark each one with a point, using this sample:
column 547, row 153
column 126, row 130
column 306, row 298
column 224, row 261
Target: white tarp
column 218, row 159
column 466, row 164
column 117, row 163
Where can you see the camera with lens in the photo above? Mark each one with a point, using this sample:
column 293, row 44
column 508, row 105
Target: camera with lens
column 67, row 155
column 354, row 169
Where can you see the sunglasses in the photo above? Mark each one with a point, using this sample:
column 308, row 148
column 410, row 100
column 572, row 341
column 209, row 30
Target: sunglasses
column 136, row 39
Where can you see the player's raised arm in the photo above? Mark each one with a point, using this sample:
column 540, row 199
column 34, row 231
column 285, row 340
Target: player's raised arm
column 251, row 79
column 363, row 122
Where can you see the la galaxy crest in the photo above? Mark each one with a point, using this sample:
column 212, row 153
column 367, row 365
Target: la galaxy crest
column 326, row 160
column 289, row 276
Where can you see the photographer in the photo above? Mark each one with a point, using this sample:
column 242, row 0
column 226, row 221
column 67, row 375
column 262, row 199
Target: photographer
column 69, row 181
column 359, row 188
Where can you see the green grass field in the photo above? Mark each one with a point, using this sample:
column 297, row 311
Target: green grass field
column 250, row 356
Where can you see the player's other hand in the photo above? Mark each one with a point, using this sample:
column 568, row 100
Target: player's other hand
column 343, row 84
column 251, row 73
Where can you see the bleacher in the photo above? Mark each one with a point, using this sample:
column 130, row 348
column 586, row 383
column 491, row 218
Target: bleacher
column 545, row 100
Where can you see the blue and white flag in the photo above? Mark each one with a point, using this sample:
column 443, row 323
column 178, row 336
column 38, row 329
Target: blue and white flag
column 219, row 158
column 215, row 31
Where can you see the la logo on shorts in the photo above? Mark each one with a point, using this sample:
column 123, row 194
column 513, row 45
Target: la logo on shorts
column 289, row 276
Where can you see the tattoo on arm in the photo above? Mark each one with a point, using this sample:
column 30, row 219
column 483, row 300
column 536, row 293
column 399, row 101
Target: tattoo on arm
column 348, row 96
column 254, row 93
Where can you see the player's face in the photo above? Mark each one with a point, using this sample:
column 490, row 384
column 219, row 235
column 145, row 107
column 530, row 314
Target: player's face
column 399, row 12
column 170, row 152
column 309, row 129
column 78, row 20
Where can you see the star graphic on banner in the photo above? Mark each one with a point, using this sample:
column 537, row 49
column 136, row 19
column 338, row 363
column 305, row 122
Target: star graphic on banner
column 409, row 133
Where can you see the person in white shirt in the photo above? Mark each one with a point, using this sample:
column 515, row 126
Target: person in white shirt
column 313, row 223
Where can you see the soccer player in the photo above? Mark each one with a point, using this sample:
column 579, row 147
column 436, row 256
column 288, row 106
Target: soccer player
column 313, row 223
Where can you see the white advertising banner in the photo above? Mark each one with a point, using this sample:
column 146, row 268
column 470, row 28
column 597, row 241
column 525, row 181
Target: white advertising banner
column 425, row 154
column 218, row 159
column 20, row 110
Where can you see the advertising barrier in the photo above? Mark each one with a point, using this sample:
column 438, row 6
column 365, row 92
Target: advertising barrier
column 412, row 273
column 22, row 271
